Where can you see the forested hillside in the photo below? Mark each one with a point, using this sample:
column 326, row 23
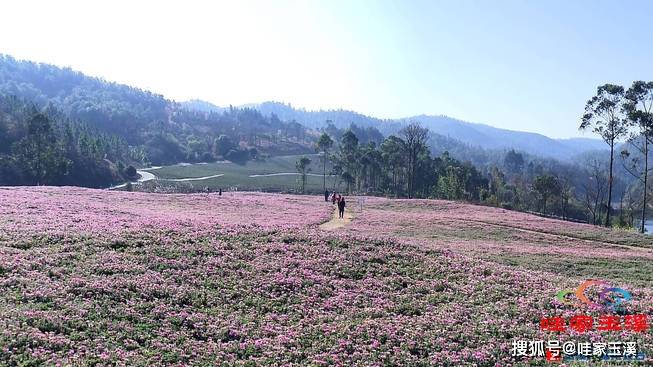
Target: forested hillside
column 43, row 146
column 150, row 128
column 109, row 106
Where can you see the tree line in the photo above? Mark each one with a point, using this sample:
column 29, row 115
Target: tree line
column 400, row 166
column 43, row 147
column 407, row 165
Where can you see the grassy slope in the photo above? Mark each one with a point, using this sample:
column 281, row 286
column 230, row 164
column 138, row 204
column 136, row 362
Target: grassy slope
column 95, row 277
column 516, row 239
column 236, row 175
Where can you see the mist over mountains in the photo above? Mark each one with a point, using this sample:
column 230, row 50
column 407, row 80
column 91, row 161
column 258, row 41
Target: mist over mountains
column 468, row 133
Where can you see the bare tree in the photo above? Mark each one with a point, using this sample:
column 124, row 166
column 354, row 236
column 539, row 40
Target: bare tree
column 595, row 189
column 566, row 193
column 627, row 207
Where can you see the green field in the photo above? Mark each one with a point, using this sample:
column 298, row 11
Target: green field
column 238, row 176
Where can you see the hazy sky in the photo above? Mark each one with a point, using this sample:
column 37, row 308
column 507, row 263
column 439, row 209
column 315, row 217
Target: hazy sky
column 522, row 65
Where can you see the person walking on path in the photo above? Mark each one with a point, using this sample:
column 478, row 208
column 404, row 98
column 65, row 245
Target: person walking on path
column 326, row 195
column 341, row 207
column 333, row 199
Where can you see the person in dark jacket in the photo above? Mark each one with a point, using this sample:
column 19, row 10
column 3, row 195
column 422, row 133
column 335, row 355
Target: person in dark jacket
column 326, row 195
column 341, row 207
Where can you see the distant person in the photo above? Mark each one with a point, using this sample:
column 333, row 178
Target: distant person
column 326, row 195
column 220, row 192
column 333, row 198
column 341, row 207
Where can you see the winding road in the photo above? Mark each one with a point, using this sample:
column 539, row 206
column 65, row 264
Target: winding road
column 149, row 176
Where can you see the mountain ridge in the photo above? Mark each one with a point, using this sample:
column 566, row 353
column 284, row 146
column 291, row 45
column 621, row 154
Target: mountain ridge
column 471, row 133
column 136, row 113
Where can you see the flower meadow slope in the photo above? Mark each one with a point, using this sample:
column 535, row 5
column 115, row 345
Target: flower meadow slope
column 513, row 238
column 92, row 277
column 77, row 211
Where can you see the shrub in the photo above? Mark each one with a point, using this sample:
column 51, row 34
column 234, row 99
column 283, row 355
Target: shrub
column 130, row 172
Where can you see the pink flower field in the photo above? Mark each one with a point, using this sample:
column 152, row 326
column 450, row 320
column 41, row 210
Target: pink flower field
column 100, row 278
column 57, row 211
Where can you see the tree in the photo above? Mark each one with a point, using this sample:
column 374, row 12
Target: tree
column 604, row 115
column 546, row 186
column 595, row 188
column 566, row 193
column 497, row 182
column 514, row 162
column 627, row 206
column 639, row 109
column 223, row 145
column 372, row 163
column 302, row 167
column 392, row 153
column 425, row 174
column 451, row 185
column 130, row 171
column 196, row 147
column 349, row 156
column 39, row 137
column 349, row 180
column 44, row 160
column 415, row 137
column 324, row 144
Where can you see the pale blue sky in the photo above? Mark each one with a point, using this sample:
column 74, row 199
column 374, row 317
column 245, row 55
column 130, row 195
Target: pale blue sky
column 521, row 65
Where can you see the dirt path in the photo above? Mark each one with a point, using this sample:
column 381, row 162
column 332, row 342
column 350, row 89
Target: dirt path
column 336, row 222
